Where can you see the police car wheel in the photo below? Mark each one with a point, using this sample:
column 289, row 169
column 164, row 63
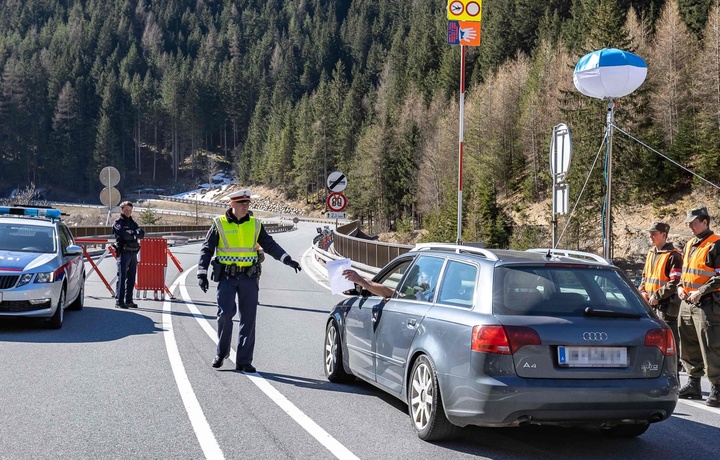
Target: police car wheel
column 56, row 321
column 79, row 301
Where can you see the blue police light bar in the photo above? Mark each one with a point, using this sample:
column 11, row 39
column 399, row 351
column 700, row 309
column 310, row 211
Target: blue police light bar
column 51, row 213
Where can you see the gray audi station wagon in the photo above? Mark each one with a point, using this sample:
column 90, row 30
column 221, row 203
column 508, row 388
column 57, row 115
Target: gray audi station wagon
column 501, row 338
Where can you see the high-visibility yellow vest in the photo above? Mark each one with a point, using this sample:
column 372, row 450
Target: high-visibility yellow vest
column 237, row 243
column 655, row 276
column 694, row 272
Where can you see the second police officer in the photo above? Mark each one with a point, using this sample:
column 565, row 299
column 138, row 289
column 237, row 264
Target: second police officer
column 234, row 238
column 127, row 245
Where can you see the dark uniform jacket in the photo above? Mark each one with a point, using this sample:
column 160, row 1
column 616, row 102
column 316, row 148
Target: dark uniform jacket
column 127, row 234
column 212, row 238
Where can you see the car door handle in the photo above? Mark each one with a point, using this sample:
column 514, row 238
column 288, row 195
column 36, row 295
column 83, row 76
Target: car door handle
column 411, row 323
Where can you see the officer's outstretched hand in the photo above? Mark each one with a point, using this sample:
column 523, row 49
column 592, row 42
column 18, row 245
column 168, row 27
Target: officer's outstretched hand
column 203, row 282
column 291, row 263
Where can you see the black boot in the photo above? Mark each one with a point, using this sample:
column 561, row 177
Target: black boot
column 714, row 399
column 692, row 389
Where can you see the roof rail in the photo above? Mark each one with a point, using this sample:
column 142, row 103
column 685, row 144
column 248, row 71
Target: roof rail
column 457, row 248
column 577, row 255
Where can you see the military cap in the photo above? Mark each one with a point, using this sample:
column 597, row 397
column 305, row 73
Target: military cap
column 694, row 213
column 659, row 227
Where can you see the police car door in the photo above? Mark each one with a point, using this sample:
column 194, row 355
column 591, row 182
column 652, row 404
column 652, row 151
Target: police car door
column 361, row 320
column 400, row 318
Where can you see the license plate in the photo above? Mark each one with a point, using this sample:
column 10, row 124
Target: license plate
column 592, row 356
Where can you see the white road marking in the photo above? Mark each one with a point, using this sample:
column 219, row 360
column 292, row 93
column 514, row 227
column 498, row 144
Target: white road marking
column 315, row 430
column 312, row 269
column 700, row 405
column 200, row 425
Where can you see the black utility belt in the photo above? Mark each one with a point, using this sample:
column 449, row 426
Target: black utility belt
column 221, row 270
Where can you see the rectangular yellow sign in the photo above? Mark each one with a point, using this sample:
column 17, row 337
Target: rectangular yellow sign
column 464, row 10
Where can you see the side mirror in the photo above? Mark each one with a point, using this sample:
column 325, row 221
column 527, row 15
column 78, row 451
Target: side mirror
column 73, row 250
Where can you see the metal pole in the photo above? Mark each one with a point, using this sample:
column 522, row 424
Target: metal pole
column 554, row 187
column 461, row 138
column 607, row 242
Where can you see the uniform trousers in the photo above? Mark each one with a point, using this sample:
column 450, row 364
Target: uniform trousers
column 699, row 330
column 244, row 290
column 126, row 270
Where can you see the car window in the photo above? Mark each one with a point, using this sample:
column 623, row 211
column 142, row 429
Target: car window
column 70, row 237
column 561, row 291
column 65, row 239
column 458, row 285
column 27, row 238
column 392, row 278
column 421, row 281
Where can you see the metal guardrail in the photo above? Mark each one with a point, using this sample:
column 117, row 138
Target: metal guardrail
column 367, row 252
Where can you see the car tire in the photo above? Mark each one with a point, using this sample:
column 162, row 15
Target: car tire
column 425, row 404
column 79, row 301
column 333, row 365
column 625, row 431
column 56, row 321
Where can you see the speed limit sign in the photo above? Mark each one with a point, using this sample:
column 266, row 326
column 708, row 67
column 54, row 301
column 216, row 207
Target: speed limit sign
column 336, row 202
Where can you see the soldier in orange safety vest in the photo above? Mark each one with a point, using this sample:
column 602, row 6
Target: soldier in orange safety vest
column 699, row 325
column 661, row 277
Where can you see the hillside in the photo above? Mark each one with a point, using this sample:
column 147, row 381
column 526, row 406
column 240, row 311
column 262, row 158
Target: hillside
column 284, row 92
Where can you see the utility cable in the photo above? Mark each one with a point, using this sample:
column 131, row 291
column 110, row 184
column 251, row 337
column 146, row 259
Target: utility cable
column 664, row 156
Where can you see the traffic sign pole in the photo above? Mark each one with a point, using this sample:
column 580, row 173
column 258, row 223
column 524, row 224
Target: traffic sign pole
column 461, row 143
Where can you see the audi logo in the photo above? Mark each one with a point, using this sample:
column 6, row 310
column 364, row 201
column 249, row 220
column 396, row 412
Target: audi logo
column 595, row 336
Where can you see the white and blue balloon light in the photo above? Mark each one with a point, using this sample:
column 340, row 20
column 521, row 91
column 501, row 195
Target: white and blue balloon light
column 609, row 73
column 606, row 74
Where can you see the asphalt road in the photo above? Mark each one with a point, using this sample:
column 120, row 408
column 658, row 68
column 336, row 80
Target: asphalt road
column 138, row 384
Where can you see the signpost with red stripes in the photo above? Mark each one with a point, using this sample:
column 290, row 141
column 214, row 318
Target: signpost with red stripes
column 463, row 29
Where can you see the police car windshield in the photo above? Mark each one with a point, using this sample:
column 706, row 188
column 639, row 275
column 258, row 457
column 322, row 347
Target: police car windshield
column 27, row 238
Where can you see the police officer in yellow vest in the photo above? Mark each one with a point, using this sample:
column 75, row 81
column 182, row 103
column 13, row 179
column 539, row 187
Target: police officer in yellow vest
column 661, row 277
column 234, row 238
column 699, row 325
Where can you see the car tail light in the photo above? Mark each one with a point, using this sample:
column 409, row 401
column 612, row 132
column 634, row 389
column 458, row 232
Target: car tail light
column 663, row 339
column 503, row 340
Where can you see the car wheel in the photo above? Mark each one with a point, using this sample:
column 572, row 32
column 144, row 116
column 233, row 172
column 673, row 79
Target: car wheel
column 425, row 404
column 79, row 301
column 56, row 321
column 625, row 431
column 334, row 370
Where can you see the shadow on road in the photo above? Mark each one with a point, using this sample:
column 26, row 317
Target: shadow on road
column 92, row 324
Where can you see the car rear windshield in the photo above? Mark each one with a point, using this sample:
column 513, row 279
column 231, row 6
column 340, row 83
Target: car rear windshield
column 563, row 291
column 27, row 238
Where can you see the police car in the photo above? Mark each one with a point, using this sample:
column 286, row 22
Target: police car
column 41, row 268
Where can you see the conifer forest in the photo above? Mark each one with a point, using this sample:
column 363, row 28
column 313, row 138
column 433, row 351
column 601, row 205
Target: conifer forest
column 286, row 91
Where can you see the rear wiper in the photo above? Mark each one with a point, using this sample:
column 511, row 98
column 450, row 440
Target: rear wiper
column 590, row 311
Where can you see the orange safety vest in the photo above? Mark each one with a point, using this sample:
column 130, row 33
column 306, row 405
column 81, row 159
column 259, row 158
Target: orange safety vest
column 694, row 272
column 655, row 276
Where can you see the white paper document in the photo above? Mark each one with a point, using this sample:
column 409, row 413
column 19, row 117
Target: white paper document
column 338, row 283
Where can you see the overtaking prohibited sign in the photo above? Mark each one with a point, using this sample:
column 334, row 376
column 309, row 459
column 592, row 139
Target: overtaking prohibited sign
column 336, row 202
